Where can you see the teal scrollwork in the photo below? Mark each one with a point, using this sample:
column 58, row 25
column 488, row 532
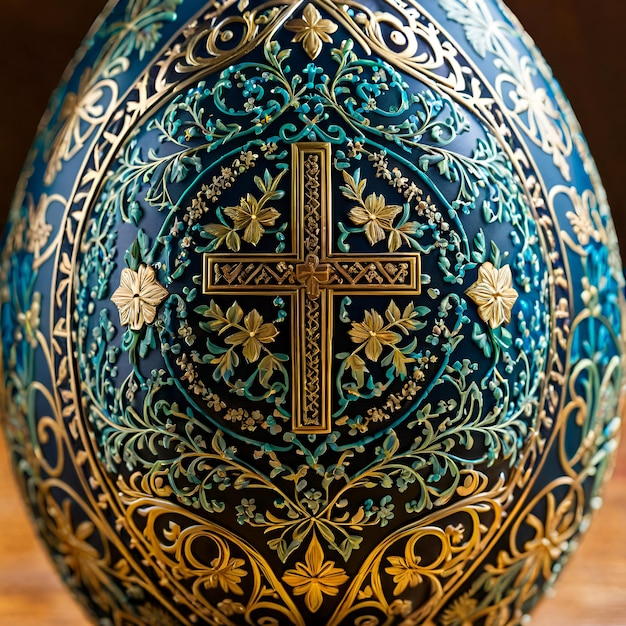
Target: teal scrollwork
column 238, row 349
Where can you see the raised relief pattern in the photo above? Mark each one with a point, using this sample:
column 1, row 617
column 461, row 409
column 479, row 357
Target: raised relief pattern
column 312, row 278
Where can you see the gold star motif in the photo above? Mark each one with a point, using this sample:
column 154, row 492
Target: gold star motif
column 315, row 577
column 312, row 30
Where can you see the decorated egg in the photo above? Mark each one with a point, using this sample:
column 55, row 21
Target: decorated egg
column 311, row 315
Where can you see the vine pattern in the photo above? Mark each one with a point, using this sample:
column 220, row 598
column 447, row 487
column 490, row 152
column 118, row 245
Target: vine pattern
column 87, row 549
column 313, row 506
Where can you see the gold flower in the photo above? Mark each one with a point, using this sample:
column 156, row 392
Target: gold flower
column 371, row 332
column 226, row 574
column 256, row 333
column 311, row 30
column 315, row 577
column 39, row 230
column 251, row 216
column 75, row 544
column 494, row 294
column 405, row 574
column 376, row 216
column 460, row 612
column 138, row 296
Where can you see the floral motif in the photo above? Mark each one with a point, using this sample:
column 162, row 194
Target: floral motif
column 460, row 612
column 254, row 334
column 517, row 80
column 320, row 495
column 77, row 553
column 583, row 217
column 406, row 573
column 375, row 215
column 312, row 30
column 373, row 334
column 39, row 230
column 552, row 533
column 315, row 577
column 138, row 296
column 227, row 575
column 494, row 294
column 80, row 113
column 250, row 215
column 251, row 334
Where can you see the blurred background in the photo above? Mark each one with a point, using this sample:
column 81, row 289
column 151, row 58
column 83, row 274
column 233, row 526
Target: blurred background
column 583, row 42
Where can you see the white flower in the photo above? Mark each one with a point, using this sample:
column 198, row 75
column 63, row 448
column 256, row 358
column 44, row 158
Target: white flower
column 138, row 296
column 494, row 294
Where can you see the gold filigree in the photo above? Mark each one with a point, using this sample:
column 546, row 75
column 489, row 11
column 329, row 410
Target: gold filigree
column 80, row 114
column 176, row 543
column 226, row 574
column 584, row 218
column 405, row 572
column 219, row 183
column 316, row 577
column 397, row 400
column 311, row 30
column 138, row 296
column 312, row 279
column 494, row 294
column 75, row 544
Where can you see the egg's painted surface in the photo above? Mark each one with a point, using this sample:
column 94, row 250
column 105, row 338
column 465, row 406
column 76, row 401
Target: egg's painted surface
column 311, row 315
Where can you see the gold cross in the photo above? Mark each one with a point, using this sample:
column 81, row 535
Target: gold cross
column 312, row 275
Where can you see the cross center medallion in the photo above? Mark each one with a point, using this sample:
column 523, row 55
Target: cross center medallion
column 313, row 275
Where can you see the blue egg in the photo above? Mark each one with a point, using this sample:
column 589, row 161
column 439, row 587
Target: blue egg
column 311, row 315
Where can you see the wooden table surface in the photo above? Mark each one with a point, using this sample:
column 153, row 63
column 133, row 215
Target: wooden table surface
column 590, row 592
